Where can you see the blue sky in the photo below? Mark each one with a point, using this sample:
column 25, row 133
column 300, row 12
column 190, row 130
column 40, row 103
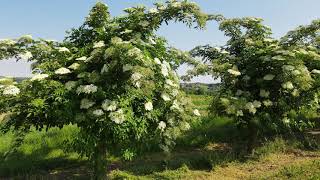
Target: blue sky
column 50, row 19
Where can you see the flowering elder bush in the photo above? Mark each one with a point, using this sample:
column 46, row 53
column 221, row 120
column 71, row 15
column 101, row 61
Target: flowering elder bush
column 112, row 77
column 264, row 83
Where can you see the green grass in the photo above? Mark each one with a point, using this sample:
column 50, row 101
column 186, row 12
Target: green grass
column 212, row 149
column 39, row 151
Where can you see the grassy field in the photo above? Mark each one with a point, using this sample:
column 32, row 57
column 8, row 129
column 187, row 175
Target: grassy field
column 212, row 149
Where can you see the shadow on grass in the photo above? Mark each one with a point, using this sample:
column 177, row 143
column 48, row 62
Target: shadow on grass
column 211, row 142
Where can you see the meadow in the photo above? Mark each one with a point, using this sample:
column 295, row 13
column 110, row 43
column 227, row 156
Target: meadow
column 213, row 148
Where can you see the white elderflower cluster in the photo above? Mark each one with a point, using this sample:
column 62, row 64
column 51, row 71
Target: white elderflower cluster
column 62, row 71
column 264, row 93
column 162, row 126
column 135, row 78
column 86, row 104
column 239, row 113
column 165, row 97
column 176, row 4
column 288, row 68
column 287, row 85
column 70, row 85
column 134, row 52
column 98, row 44
column 11, row 90
column 315, row 71
column 87, row 89
column 117, row 116
column 104, row 69
column 252, row 106
column 83, row 58
column 98, row 112
column 196, row 112
column 269, row 77
column 234, row 72
column 63, row 49
column 39, row 77
column 8, row 42
column 74, row 66
column 127, row 67
column 25, row 56
column 148, row 106
column 144, row 23
column 153, row 11
column 267, row 103
column 175, row 105
column 109, row 105
column 157, row 60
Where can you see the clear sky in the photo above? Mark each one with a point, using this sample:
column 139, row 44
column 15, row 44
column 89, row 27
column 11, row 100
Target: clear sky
column 50, row 19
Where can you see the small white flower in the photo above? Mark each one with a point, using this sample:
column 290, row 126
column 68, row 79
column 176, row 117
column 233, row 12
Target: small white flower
column 296, row 72
column 127, row 67
column 196, row 112
column 287, row 85
column 134, row 52
column 62, row 71
column 144, row 23
column 264, row 93
column 63, row 49
column 38, row 77
column 25, row 56
column 174, row 92
column 169, row 82
column 217, row 49
column 157, row 61
column 151, row 41
column 136, row 76
column 8, row 41
column 165, row 97
column 267, row 103
column 109, row 105
column 117, row 117
column 186, row 126
column 239, row 113
column 256, row 104
column 164, row 70
column 162, row 125
column 104, row 69
column 98, row 44
column 175, row 105
column 269, row 77
column 87, row 89
column 70, row 85
column 295, row 93
column 176, row 4
column 251, row 107
column 288, row 67
column 83, row 58
column 148, row 106
column 315, row 71
column 74, row 66
column 286, row 120
column 234, row 72
column 153, row 11
column 86, row 104
column 98, row 112
column 11, row 90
